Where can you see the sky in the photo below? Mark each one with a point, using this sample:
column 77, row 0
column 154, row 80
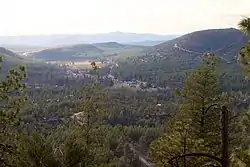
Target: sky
column 30, row 17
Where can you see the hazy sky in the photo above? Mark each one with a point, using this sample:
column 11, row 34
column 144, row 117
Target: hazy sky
column 21, row 17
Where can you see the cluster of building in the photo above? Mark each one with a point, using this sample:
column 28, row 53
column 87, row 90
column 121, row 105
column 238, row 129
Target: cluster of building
column 76, row 73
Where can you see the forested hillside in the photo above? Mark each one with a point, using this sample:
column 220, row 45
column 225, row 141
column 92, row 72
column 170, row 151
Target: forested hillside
column 81, row 52
column 165, row 64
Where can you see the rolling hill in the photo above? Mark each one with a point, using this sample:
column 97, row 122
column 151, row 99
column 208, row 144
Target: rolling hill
column 169, row 60
column 74, row 52
column 10, row 59
column 8, row 54
column 109, row 45
column 148, row 43
column 38, row 71
column 116, row 46
column 81, row 52
column 223, row 42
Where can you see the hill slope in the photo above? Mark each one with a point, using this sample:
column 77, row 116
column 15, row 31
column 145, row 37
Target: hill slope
column 8, row 54
column 10, row 59
column 171, row 59
column 147, row 43
column 38, row 72
column 87, row 51
column 219, row 41
column 74, row 52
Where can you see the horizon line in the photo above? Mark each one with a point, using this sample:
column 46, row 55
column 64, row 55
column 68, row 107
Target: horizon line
column 113, row 32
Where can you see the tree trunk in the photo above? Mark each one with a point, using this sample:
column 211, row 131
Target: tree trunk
column 125, row 154
column 184, row 151
column 224, row 137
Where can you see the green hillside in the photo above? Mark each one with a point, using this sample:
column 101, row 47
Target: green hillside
column 7, row 54
column 82, row 52
column 74, row 52
column 114, row 45
column 167, row 62
column 38, row 72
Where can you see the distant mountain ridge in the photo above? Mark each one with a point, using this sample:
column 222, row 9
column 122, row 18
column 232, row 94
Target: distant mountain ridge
column 55, row 40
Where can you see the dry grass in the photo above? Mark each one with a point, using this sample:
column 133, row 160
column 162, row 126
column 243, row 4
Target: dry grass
column 86, row 64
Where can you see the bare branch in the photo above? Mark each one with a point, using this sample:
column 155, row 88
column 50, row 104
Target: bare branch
column 212, row 105
column 198, row 154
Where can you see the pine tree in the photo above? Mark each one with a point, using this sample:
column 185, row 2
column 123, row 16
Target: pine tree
column 12, row 99
column 36, row 151
column 244, row 55
column 194, row 128
column 244, row 25
column 202, row 90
